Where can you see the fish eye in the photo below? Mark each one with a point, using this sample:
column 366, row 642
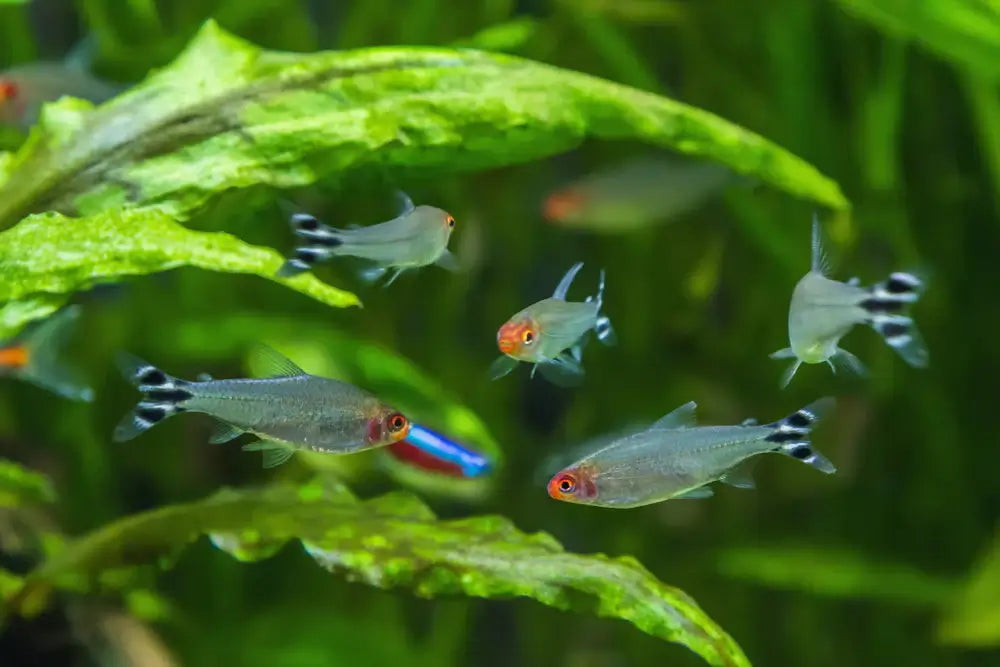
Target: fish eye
column 397, row 423
column 528, row 337
column 451, row 221
column 566, row 484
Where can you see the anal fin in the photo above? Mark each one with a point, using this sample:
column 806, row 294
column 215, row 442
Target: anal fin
column 740, row 476
column 224, row 432
column 696, row 494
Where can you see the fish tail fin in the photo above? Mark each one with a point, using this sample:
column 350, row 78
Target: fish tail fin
column 791, row 435
column 820, row 263
column 318, row 243
column 44, row 364
column 602, row 326
column 886, row 304
column 163, row 396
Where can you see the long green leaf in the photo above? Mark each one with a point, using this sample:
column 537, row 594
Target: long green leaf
column 392, row 541
column 973, row 617
column 227, row 114
column 20, row 486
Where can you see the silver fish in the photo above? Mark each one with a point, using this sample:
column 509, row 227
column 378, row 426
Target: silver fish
column 417, row 237
column 550, row 334
column 674, row 458
column 291, row 410
column 25, row 88
column 822, row 311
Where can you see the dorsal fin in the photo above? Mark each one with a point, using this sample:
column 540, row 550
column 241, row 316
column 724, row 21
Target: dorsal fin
column 682, row 417
column 273, row 363
column 820, row 263
column 566, row 281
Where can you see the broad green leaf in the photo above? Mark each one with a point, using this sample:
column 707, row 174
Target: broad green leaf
column 227, row 114
column 48, row 254
column 965, row 32
column 15, row 314
column 973, row 617
column 388, row 542
column 835, row 572
column 20, row 486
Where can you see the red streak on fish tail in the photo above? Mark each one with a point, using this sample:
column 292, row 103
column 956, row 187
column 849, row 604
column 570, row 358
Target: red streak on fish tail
column 409, row 453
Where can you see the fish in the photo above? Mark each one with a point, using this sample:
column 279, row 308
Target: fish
column 551, row 333
column 432, row 451
column 35, row 357
column 25, row 88
column 417, row 237
column 675, row 458
column 636, row 194
column 290, row 410
column 823, row 311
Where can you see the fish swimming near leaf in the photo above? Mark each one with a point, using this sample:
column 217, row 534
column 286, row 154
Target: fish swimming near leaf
column 823, row 311
column 551, row 333
column 636, row 194
column 675, row 458
column 25, row 88
column 36, row 356
column 290, row 410
column 430, row 450
column 417, row 237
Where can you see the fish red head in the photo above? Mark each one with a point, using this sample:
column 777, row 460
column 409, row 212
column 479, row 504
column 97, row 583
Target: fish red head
column 573, row 485
column 516, row 337
column 391, row 427
column 562, row 205
column 8, row 90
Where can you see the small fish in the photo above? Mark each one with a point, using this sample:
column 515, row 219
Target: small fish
column 417, row 237
column 429, row 450
column 25, row 88
column 34, row 357
column 289, row 410
column 551, row 333
column 636, row 194
column 674, row 458
column 822, row 311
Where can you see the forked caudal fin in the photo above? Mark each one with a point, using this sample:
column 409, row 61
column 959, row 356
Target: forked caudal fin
column 886, row 305
column 791, row 435
column 602, row 326
column 319, row 240
column 163, row 396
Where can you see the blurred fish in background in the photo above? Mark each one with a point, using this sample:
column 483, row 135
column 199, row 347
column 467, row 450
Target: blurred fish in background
column 36, row 357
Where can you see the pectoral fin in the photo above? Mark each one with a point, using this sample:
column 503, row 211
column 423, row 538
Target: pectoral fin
column 563, row 371
column 696, row 494
column 224, row 432
column 502, row 366
column 275, row 453
column 448, row 261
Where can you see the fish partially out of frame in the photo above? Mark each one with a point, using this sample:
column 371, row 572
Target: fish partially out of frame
column 289, row 411
column 823, row 311
column 418, row 236
column 36, row 356
column 674, row 458
column 25, row 88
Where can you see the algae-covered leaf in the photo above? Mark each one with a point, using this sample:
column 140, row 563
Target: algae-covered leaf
column 48, row 254
column 390, row 542
column 226, row 114
column 965, row 32
column 835, row 572
column 973, row 617
column 20, row 486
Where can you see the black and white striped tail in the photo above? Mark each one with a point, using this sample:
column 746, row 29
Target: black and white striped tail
column 602, row 327
column 162, row 396
column 791, row 435
column 886, row 307
column 319, row 241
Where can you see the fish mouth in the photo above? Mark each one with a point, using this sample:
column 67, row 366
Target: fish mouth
column 505, row 345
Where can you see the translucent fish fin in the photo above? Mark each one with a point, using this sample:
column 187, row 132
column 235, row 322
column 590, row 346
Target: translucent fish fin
column 396, row 273
column 448, row 261
column 901, row 335
column 163, row 396
column 783, row 353
column 275, row 453
column 789, row 373
column 683, row 417
column 750, row 421
column 502, row 366
column 204, row 377
column 605, row 332
column 820, row 262
column 404, row 203
column 791, row 435
column 274, row 363
column 848, row 362
column 563, row 287
column 854, row 281
column 696, row 494
column 372, row 274
column 224, row 432
column 562, row 371
column 740, row 475
column 45, row 365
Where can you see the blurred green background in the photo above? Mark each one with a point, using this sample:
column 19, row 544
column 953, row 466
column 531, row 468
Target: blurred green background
column 859, row 568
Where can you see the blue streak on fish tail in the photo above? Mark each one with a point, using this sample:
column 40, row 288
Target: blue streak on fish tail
column 472, row 463
column 791, row 435
column 163, row 396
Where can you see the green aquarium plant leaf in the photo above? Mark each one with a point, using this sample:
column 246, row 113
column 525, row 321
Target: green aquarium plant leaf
column 49, row 254
column 227, row 114
column 389, row 542
column 972, row 618
column 964, row 32
column 20, row 486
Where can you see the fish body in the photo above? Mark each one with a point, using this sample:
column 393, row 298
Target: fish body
column 823, row 310
column 673, row 458
column 25, row 88
column 36, row 357
column 293, row 410
column 417, row 237
column 550, row 333
column 636, row 194
column 433, row 451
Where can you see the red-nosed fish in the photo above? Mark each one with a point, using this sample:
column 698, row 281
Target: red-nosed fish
column 34, row 357
column 25, row 88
